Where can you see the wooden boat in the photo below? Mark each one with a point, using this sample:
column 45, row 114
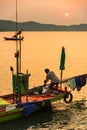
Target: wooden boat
column 13, row 38
column 10, row 110
column 33, row 101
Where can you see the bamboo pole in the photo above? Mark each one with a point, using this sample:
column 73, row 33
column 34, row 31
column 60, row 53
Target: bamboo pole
column 27, row 86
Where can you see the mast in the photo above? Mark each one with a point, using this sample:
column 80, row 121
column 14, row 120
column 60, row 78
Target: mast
column 18, row 93
column 18, row 42
column 16, row 23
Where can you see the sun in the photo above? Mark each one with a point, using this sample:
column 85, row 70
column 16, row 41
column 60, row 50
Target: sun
column 66, row 14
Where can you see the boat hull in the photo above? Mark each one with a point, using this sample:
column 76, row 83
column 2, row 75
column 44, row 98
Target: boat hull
column 13, row 38
column 19, row 112
column 11, row 115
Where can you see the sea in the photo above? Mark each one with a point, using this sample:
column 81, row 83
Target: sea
column 40, row 50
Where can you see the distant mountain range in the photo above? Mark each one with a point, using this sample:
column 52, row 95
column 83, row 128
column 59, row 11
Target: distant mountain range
column 6, row 25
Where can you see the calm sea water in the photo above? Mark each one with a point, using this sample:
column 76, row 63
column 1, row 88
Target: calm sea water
column 42, row 50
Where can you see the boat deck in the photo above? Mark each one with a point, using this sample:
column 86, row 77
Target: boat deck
column 32, row 98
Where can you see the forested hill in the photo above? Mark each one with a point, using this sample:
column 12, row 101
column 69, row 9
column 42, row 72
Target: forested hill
column 34, row 26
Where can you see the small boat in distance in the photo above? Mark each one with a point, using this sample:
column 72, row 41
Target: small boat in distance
column 13, row 38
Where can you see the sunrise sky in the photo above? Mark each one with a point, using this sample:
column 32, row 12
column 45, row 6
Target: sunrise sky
column 60, row 12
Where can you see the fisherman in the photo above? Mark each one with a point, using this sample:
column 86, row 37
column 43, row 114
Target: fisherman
column 18, row 33
column 50, row 75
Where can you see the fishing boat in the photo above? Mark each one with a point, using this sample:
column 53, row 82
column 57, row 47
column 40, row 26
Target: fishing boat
column 13, row 38
column 34, row 101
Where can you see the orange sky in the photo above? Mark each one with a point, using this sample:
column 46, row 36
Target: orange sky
column 45, row 11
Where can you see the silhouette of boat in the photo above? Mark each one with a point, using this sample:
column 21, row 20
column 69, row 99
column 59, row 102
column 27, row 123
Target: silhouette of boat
column 13, row 38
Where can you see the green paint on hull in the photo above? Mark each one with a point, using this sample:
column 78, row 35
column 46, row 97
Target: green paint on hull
column 57, row 98
column 11, row 115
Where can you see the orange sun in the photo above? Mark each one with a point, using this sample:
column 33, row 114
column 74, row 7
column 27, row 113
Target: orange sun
column 66, row 14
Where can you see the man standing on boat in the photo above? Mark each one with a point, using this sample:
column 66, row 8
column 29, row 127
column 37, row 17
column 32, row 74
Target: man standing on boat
column 50, row 75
